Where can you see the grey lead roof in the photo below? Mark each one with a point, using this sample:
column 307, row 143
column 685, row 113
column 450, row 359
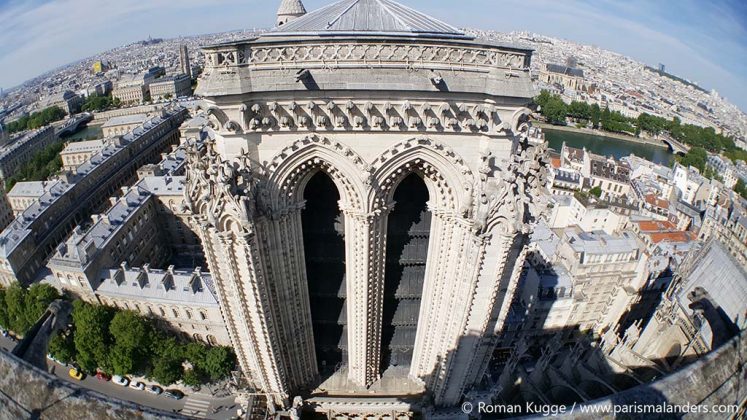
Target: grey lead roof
column 368, row 17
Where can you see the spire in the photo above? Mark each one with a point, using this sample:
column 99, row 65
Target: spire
column 289, row 10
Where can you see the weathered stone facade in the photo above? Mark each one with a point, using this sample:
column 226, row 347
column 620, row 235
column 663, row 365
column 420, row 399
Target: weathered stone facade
column 367, row 110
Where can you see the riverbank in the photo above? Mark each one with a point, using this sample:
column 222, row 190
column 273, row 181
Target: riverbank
column 605, row 146
column 600, row 133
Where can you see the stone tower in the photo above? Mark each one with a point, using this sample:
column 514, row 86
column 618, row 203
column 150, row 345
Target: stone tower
column 290, row 10
column 365, row 204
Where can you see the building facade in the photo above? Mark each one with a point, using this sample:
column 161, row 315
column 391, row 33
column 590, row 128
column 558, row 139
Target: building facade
column 117, row 126
column 22, row 150
column 131, row 92
column 24, row 194
column 364, row 223
column 6, row 211
column 68, row 101
column 171, row 87
column 77, row 153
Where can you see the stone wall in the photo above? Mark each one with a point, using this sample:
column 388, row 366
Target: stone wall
column 716, row 379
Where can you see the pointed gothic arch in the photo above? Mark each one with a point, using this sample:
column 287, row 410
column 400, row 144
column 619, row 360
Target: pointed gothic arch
column 292, row 168
column 448, row 178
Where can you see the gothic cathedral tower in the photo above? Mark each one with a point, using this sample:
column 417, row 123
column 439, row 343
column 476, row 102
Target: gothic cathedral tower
column 365, row 204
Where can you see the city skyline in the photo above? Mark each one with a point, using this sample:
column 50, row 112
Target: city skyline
column 690, row 43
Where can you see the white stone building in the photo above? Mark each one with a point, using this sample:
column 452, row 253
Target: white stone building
column 117, row 126
column 76, row 153
column 171, row 87
column 365, row 204
column 24, row 194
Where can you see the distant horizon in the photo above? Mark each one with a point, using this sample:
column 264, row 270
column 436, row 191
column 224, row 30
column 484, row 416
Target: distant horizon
column 48, row 34
column 654, row 66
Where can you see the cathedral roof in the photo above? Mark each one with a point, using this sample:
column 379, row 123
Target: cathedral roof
column 291, row 7
column 368, row 17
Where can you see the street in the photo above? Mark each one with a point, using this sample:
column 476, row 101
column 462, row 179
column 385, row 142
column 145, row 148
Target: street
column 192, row 405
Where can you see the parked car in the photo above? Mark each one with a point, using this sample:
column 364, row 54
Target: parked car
column 75, row 373
column 5, row 333
column 154, row 389
column 137, row 385
column 120, row 380
column 102, row 376
column 174, row 393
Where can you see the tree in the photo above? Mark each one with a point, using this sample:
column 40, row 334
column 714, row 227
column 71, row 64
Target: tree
column 192, row 377
column 167, row 364
column 740, row 188
column 218, row 362
column 696, row 158
column 596, row 115
column 596, row 191
column 38, row 298
column 579, row 110
column 92, row 339
column 131, row 337
column 62, row 347
column 552, row 107
column 4, row 317
column 15, row 301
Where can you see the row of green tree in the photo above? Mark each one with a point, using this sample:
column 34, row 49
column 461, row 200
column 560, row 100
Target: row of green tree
column 20, row 308
column 555, row 111
column 43, row 165
column 125, row 343
column 100, row 103
column 36, row 120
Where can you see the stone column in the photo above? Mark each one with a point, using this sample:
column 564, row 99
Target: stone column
column 282, row 250
column 486, row 303
column 233, row 267
column 365, row 249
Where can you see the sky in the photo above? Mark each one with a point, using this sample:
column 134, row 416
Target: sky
column 700, row 40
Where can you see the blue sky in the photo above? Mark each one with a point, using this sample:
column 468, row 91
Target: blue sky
column 701, row 40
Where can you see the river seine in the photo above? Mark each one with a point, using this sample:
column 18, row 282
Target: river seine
column 607, row 146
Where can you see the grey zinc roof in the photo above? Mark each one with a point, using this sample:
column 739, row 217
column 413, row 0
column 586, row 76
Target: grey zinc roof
column 557, row 68
column 31, row 189
column 160, row 286
column 126, row 119
column 83, row 146
column 715, row 270
column 291, row 7
column 368, row 17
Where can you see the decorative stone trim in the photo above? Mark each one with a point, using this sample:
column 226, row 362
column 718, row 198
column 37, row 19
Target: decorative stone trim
column 372, row 54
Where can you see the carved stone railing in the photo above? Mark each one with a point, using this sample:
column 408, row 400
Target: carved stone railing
column 372, row 54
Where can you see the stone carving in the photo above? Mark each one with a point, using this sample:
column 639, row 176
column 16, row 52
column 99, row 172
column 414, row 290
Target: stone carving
column 366, row 54
column 405, row 116
column 510, row 192
column 217, row 188
column 449, row 195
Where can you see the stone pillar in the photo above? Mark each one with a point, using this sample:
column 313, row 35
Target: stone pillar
column 486, row 303
column 242, row 304
column 282, row 250
column 365, row 243
column 449, row 273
